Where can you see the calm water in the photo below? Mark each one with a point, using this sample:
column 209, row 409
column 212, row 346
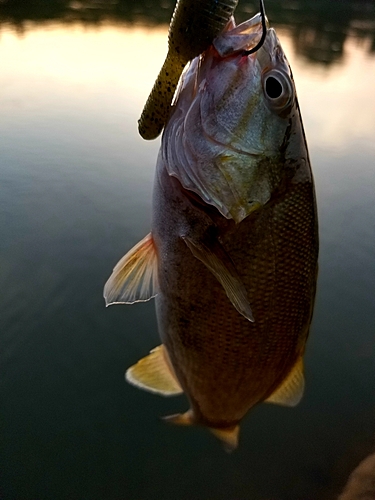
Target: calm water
column 75, row 194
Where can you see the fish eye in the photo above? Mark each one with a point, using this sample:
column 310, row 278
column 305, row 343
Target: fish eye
column 274, row 88
column 278, row 90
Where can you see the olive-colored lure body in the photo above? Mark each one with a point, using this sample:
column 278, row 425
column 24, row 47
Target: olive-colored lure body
column 194, row 25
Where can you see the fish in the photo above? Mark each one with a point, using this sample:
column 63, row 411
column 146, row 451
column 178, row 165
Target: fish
column 232, row 255
column 193, row 27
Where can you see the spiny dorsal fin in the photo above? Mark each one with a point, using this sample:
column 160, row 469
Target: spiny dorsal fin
column 186, row 418
column 218, row 262
column 134, row 279
column 229, row 437
column 154, row 373
column 291, row 390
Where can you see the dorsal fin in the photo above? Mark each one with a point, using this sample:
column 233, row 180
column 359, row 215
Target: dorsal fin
column 229, row 437
column 290, row 392
column 186, row 418
column 154, row 373
column 134, row 278
column 218, row 262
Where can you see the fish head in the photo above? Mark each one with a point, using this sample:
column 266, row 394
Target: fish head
column 232, row 121
column 248, row 97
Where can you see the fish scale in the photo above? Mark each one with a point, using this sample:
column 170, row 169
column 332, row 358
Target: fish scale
column 218, row 344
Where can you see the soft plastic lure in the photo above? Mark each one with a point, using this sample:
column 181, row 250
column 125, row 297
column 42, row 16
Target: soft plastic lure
column 194, row 25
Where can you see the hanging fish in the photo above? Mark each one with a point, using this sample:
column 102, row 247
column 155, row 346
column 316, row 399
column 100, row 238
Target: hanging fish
column 194, row 24
column 232, row 253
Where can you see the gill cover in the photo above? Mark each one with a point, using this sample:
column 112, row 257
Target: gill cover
column 224, row 137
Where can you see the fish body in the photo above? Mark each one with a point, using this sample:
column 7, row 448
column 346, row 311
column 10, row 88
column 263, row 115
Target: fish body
column 232, row 254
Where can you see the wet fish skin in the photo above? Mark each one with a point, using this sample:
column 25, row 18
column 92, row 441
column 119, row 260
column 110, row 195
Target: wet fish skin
column 224, row 363
column 235, row 239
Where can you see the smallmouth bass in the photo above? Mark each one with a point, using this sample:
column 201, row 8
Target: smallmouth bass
column 232, row 255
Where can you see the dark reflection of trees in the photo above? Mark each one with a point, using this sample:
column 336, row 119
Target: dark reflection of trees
column 318, row 28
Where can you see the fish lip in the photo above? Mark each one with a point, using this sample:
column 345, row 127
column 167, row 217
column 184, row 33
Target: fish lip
column 233, row 40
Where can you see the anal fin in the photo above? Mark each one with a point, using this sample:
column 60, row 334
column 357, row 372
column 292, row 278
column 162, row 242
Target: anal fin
column 154, row 373
column 290, row 392
column 134, row 278
column 215, row 258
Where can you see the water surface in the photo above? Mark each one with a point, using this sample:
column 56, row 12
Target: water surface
column 75, row 195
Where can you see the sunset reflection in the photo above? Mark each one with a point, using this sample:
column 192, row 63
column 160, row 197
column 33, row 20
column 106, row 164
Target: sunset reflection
column 76, row 187
column 83, row 60
column 82, row 65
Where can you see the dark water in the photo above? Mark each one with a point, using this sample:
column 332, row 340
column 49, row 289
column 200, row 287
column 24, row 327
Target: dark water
column 75, row 188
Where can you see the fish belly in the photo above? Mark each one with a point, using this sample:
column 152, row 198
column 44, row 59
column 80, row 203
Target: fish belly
column 225, row 363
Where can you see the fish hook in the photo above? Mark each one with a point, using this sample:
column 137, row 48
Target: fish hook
column 264, row 31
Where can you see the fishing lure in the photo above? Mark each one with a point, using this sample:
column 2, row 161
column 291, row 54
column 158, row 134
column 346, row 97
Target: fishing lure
column 194, row 25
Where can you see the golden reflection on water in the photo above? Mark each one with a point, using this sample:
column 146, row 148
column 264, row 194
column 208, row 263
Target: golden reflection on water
column 77, row 55
column 78, row 75
column 335, row 101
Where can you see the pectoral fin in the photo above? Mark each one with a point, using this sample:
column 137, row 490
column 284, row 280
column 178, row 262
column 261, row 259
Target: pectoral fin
column 154, row 373
column 221, row 266
column 134, row 279
column 291, row 390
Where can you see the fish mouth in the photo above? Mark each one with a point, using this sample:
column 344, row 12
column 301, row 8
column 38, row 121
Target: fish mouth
column 251, row 38
column 245, row 38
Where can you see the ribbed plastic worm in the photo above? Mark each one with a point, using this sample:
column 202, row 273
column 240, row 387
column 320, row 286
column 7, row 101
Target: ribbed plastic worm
column 194, row 25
